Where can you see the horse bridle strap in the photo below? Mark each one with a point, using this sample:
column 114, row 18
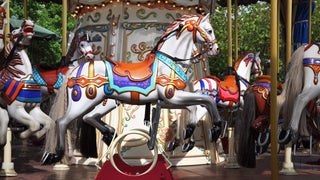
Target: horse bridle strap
column 171, row 64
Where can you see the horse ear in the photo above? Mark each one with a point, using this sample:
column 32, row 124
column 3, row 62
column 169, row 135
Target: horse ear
column 205, row 17
column 4, row 5
column 258, row 53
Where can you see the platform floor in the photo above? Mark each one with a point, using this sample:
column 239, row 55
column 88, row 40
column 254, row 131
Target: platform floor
column 27, row 165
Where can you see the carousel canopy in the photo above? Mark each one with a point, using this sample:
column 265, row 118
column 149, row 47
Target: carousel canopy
column 40, row 32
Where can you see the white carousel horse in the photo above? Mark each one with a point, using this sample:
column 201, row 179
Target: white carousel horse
column 301, row 87
column 21, row 95
column 3, row 112
column 227, row 93
column 160, row 78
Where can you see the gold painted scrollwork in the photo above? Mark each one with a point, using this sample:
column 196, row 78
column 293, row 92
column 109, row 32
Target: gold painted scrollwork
column 141, row 50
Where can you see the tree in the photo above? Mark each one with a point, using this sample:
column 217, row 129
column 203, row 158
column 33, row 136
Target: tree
column 47, row 15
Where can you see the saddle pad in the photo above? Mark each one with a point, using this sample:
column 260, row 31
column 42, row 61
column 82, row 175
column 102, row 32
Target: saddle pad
column 226, row 95
column 228, row 89
column 11, row 90
column 126, row 84
column 50, row 78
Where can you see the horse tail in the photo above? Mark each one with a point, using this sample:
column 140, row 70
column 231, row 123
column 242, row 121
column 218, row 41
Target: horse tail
column 246, row 155
column 57, row 111
column 293, row 83
column 87, row 140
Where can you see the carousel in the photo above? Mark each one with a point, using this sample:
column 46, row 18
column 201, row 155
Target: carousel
column 135, row 98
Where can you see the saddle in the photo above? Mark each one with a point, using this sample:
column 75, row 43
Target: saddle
column 229, row 84
column 228, row 89
column 134, row 71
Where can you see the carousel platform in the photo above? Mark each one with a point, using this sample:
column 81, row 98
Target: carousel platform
column 26, row 161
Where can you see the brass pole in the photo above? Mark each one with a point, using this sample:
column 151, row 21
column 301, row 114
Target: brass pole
column 289, row 32
column 25, row 9
column 64, row 28
column 236, row 43
column 229, row 34
column 309, row 21
column 273, row 109
column 7, row 29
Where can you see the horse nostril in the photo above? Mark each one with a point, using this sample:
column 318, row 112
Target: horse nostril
column 218, row 50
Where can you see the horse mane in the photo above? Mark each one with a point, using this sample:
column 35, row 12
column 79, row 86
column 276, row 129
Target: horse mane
column 177, row 22
column 238, row 61
column 9, row 71
column 293, row 83
column 72, row 49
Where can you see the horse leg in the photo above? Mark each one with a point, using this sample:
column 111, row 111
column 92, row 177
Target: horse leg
column 190, row 99
column 43, row 119
column 17, row 111
column 94, row 119
column 300, row 103
column 172, row 145
column 189, row 129
column 155, row 124
column 4, row 121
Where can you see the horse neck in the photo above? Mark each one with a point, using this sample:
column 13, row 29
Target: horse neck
column 244, row 71
column 77, row 59
column 2, row 35
column 181, row 48
column 26, row 66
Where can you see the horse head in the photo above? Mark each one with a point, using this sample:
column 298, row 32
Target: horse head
column 186, row 33
column 23, row 35
column 85, row 47
column 80, row 49
column 256, row 69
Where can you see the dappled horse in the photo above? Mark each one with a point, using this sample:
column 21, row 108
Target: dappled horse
column 252, row 128
column 160, row 79
column 301, row 86
column 228, row 93
column 21, row 94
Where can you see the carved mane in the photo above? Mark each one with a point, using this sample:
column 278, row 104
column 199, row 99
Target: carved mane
column 9, row 71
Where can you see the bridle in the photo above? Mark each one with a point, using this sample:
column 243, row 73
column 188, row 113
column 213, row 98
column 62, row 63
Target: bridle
column 191, row 26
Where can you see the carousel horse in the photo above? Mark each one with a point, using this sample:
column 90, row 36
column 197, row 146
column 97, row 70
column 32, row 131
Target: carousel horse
column 252, row 128
column 160, row 79
column 3, row 112
column 227, row 93
column 21, row 94
column 301, row 87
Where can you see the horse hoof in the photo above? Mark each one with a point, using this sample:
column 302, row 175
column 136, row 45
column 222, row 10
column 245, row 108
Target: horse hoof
column 214, row 133
column 188, row 131
column 108, row 138
column 263, row 138
column 186, row 147
column 284, row 136
column 50, row 158
column 172, row 145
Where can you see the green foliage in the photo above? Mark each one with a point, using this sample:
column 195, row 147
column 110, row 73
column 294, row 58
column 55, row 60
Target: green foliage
column 315, row 36
column 253, row 33
column 47, row 15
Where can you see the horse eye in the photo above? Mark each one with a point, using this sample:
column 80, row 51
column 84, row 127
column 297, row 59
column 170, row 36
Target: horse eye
column 210, row 31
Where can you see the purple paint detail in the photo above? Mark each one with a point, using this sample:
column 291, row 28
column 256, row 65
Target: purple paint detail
column 122, row 81
column 76, row 96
